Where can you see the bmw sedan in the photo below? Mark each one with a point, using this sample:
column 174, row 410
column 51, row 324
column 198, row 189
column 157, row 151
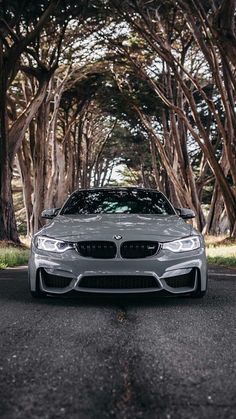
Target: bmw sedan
column 121, row 240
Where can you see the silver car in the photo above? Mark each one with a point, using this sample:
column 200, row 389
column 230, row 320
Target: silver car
column 120, row 240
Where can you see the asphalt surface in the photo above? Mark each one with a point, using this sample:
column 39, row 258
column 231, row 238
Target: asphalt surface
column 109, row 357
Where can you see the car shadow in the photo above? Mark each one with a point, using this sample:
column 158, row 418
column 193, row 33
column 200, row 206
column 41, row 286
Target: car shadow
column 17, row 291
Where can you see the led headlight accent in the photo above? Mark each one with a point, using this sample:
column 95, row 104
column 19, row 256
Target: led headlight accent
column 52, row 245
column 183, row 245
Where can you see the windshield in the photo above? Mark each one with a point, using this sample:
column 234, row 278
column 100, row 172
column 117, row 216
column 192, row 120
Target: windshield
column 117, row 202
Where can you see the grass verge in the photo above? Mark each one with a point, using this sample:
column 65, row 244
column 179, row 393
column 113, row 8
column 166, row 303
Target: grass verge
column 221, row 250
column 11, row 255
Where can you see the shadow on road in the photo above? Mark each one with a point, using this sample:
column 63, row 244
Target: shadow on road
column 17, row 291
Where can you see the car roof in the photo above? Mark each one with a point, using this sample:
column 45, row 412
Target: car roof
column 118, row 188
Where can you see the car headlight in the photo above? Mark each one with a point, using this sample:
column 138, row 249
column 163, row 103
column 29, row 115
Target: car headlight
column 52, row 245
column 183, row 245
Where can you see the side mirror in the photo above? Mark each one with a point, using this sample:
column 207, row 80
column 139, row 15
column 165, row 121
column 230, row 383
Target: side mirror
column 185, row 213
column 50, row 213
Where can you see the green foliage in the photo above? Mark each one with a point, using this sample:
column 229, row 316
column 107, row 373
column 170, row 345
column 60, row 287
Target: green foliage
column 28, row 11
column 228, row 261
column 13, row 256
column 224, row 255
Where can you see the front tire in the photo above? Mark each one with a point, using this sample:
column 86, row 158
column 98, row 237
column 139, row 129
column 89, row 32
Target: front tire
column 198, row 294
column 37, row 294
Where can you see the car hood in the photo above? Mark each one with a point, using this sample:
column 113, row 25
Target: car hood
column 105, row 226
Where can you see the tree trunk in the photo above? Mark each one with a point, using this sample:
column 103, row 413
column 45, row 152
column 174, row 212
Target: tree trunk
column 25, row 172
column 154, row 164
column 62, row 181
column 216, row 209
column 8, row 230
column 39, row 157
column 20, row 126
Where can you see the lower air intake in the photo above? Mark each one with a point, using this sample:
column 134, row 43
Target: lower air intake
column 187, row 280
column 118, row 282
column 55, row 281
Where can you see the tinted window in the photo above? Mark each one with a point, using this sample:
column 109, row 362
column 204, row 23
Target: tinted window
column 117, row 202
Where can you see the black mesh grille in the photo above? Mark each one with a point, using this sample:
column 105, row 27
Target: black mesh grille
column 186, row 280
column 97, row 249
column 55, row 281
column 118, row 282
column 138, row 249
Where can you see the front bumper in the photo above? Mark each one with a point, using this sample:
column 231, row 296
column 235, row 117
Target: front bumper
column 62, row 273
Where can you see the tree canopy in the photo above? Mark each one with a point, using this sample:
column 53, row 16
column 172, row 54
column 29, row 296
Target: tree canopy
column 143, row 89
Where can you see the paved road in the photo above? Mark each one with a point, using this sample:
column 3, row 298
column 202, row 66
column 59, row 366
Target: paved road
column 117, row 357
